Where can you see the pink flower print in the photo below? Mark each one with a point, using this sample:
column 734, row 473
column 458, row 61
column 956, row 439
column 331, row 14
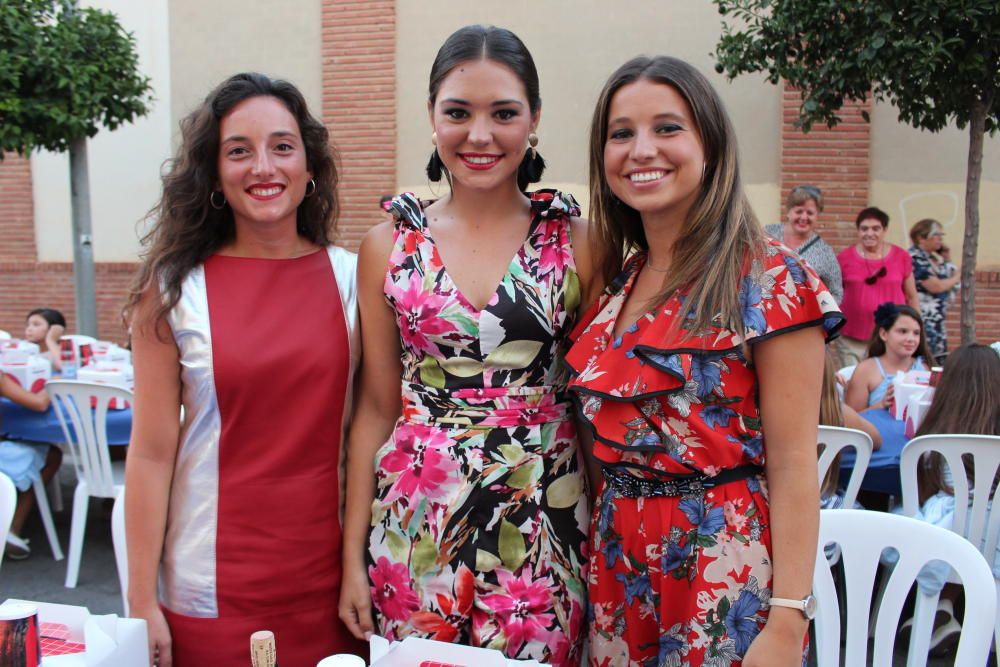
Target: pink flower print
column 551, row 257
column 391, row 591
column 419, row 314
column 422, row 457
column 735, row 517
column 523, row 608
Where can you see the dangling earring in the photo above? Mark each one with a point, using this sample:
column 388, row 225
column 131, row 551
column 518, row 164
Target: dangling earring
column 211, row 200
column 532, row 143
column 312, row 182
column 434, row 138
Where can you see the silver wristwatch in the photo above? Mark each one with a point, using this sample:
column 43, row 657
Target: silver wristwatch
column 806, row 605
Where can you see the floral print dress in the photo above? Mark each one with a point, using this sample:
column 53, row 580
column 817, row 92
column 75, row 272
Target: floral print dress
column 933, row 307
column 479, row 524
column 684, row 580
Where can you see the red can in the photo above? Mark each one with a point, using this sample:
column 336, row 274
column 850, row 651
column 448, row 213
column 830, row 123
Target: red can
column 935, row 376
column 20, row 641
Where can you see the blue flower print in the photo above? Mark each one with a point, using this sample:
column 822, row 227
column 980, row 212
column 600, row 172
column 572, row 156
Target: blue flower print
column 674, row 556
column 706, row 374
column 672, row 647
column 612, row 550
column 716, row 415
column 709, row 520
column 741, row 621
column 750, row 298
column 795, row 269
column 636, row 586
column 752, row 447
column 607, row 511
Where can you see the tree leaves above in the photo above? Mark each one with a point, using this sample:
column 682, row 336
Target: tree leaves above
column 932, row 59
column 64, row 75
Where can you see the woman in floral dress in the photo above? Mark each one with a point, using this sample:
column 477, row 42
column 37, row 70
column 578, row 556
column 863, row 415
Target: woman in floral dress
column 698, row 373
column 473, row 527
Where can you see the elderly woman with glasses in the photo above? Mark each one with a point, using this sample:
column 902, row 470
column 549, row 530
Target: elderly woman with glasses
column 936, row 279
column 798, row 232
column 874, row 272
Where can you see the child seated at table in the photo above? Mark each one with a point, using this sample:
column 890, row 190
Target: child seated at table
column 897, row 344
column 22, row 462
column 834, row 412
column 43, row 327
column 966, row 400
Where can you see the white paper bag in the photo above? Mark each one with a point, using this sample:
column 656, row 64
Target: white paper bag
column 414, row 652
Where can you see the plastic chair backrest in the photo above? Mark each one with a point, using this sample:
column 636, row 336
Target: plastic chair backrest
column 973, row 521
column 862, row 536
column 85, row 429
column 836, row 439
column 120, row 546
column 8, row 501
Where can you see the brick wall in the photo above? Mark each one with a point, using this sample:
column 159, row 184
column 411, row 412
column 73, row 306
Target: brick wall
column 28, row 285
column 17, row 227
column 359, row 105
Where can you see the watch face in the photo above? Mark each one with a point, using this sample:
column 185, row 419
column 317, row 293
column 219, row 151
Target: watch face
column 809, row 605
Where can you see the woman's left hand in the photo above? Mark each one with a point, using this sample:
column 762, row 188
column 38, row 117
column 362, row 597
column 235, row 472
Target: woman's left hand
column 775, row 648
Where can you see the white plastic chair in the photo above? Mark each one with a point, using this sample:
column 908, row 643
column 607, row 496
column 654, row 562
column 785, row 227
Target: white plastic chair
column 42, row 502
column 86, row 434
column 973, row 520
column 836, row 439
column 862, row 536
column 8, row 501
column 121, row 550
column 845, row 374
column 4, row 335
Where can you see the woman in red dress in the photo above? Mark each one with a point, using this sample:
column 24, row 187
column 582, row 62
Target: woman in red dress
column 243, row 314
column 698, row 373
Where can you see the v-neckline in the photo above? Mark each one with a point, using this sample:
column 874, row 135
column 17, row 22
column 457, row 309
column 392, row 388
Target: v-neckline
column 459, row 293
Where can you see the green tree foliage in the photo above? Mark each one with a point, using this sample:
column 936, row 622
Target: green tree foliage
column 936, row 61
column 64, row 73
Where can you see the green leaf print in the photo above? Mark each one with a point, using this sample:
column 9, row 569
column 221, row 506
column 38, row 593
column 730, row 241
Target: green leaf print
column 514, row 355
column 486, row 562
column 431, row 373
column 571, row 293
column 425, row 555
column 462, row 367
column 399, row 547
column 512, row 551
column 565, row 491
column 526, row 475
column 512, row 454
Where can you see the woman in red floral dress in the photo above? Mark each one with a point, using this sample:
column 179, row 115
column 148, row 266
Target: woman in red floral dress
column 698, row 373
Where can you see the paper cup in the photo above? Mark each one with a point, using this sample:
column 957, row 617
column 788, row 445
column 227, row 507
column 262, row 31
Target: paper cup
column 20, row 642
column 342, row 660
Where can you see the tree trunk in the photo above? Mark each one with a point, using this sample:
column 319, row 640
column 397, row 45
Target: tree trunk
column 970, row 242
column 83, row 248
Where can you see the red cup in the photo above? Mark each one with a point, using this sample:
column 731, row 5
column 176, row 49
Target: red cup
column 20, row 641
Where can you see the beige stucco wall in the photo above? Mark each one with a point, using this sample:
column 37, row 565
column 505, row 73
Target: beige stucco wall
column 209, row 41
column 124, row 164
column 918, row 174
column 576, row 45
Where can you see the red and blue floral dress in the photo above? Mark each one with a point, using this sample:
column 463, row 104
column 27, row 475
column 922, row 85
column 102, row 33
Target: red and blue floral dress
column 479, row 524
column 683, row 579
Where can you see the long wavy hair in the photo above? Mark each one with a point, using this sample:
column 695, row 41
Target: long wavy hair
column 831, row 413
column 966, row 400
column 720, row 235
column 186, row 228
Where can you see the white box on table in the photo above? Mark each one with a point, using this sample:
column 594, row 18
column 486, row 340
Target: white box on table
column 31, row 372
column 916, row 409
column 107, row 351
column 17, row 350
column 110, row 641
column 112, row 374
column 414, row 652
column 905, row 386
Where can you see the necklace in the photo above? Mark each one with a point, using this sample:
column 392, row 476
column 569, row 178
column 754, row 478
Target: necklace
column 653, row 268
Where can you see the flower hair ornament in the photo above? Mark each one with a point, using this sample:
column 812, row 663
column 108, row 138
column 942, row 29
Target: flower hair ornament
column 885, row 315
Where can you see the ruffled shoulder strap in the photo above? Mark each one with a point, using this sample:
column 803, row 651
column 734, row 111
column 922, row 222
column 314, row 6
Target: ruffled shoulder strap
column 406, row 210
column 548, row 203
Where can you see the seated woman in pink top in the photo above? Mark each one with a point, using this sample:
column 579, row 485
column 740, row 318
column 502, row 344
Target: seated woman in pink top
column 874, row 272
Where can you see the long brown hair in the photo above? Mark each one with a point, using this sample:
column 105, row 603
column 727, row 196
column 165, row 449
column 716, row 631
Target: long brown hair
column 187, row 229
column 967, row 400
column 721, row 233
column 831, row 413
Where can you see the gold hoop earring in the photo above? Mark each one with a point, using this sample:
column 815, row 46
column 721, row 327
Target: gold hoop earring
column 532, row 143
column 211, row 200
column 434, row 138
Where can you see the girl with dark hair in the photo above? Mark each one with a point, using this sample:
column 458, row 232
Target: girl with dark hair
column 473, row 528
column 43, row 327
column 897, row 344
column 698, row 374
column 235, row 510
